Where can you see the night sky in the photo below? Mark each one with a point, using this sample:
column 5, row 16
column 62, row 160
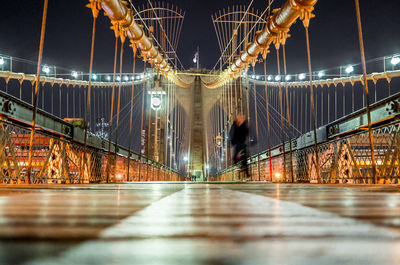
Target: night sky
column 333, row 33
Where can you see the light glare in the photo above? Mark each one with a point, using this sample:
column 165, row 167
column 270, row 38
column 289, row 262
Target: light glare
column 395, row 60
column 46, row 69
column 349, row 69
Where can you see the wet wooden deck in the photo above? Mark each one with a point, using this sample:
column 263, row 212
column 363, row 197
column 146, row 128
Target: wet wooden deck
column 199, row 224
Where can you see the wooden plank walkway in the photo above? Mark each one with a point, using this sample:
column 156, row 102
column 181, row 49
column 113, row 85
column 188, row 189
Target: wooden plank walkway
column 199, row 224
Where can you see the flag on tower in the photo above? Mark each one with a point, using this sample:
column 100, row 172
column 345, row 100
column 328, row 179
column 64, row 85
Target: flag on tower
column 196, row 57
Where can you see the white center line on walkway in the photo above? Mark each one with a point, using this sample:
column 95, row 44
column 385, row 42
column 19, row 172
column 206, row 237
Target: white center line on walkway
column 204, row 224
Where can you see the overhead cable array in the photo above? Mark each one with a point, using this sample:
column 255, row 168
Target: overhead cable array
column 124, row 22
column 276, row 30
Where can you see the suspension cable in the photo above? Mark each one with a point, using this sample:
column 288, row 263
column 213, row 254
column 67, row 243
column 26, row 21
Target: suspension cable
column 288, row 112
column 32, row 135
column 165, row 34
column 131, row 112
column 112, row 106
column 122, row 36
column 145, row 25
column 231, row 39
column 268, row 123
column 362, row 53
column 281, row 111
column 314, row 122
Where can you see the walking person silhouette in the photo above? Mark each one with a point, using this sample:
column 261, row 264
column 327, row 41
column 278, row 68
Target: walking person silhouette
column 238, row 135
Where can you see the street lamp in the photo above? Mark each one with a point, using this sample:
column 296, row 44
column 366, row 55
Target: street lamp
column 2, row 63
column 321, row 74
column 156, row 102
column 349, row 69
column 74, row 74
column 288, row 77
column 46, row 69
column 108, row 78
column 278, row 78
column 395, row 60
column 269, row 78
column 126, row 78
column 302, row 76
column 94, row 76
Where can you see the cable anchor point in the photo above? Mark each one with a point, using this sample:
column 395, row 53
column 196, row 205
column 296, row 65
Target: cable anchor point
column 95, row 6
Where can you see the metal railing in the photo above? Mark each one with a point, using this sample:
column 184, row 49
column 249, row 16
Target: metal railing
column 343, row 148
column 59, row 155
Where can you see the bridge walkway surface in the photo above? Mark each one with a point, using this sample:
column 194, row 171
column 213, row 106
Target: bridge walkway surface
column 182, row 223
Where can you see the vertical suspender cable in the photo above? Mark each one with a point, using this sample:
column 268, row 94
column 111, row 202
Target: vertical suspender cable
column 95, row 12
column 312, row 106
column 362, row 52
column 281, row 109
column 268, row 124
column 112, row 107
column 32, row 135
column 122, row 36
column 131, row 112
column 141, row 122
column 255, row 105
column 288, row 115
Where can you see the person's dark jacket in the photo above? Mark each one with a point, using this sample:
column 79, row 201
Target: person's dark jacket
column 239, row 134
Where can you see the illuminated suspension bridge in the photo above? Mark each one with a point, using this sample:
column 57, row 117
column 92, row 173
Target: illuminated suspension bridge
column 168, row 126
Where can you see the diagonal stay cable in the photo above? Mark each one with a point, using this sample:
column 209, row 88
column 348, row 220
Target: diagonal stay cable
column 272, row 107
column 250, row 31
column 165, row 34
column 145, row 25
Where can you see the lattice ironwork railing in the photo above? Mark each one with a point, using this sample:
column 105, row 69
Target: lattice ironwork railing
column 57, row 160
column 342, row 160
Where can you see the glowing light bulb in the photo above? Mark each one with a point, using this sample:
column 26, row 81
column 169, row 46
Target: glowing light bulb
column 46, row 69
column 395, row 60
column 349, row 69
